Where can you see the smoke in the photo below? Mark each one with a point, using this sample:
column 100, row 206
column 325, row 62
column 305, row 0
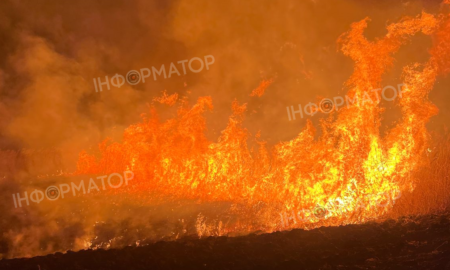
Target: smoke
column 51, row 52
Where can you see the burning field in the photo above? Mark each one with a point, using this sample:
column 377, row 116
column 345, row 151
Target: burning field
column 225, row 134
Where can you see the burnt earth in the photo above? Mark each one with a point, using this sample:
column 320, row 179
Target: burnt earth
column 410, row 243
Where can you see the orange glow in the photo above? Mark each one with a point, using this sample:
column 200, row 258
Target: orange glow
column 348, row 162
column 259, row 91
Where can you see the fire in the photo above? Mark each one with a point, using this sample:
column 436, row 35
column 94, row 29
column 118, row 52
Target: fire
column 259, row 91
column 349, row 163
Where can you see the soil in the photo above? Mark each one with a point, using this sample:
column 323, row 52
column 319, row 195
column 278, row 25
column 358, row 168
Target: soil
column 409, row 243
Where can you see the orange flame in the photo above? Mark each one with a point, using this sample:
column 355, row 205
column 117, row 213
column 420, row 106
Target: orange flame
column 350, row 162
column 259, row 91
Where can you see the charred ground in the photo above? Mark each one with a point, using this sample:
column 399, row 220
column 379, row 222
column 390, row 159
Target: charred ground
column 409, row 243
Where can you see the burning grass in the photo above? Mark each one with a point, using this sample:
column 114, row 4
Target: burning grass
column 349, row 162
column 432, row 184
column 226, row 187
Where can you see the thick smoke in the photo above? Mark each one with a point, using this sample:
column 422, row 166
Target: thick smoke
column 50, row 52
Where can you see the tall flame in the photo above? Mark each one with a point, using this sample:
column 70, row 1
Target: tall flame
column 349, row 163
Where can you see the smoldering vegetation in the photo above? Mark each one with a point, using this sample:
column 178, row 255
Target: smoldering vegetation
column 49, row 111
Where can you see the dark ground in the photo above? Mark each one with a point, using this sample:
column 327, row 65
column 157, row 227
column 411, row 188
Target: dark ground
column 410, row 243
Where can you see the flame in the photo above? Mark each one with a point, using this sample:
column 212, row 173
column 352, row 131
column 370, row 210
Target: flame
column 259, row 91
column 349, row 164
